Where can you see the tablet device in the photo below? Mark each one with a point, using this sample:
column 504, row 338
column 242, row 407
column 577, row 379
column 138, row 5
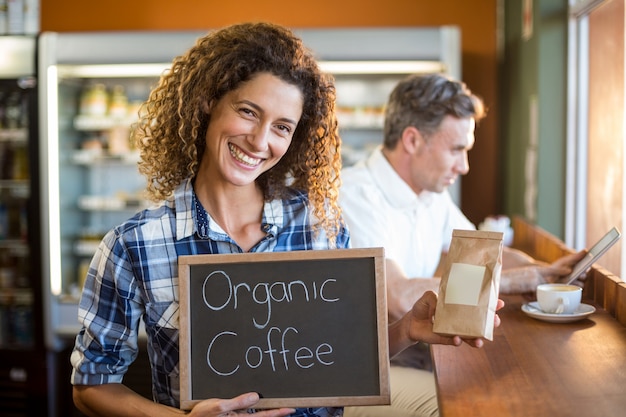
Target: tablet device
column 594, row 253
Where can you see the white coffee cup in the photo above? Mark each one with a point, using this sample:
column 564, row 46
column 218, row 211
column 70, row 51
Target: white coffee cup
column 559, row 298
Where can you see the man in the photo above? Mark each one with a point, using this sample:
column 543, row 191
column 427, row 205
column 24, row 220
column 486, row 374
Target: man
column 397, row 198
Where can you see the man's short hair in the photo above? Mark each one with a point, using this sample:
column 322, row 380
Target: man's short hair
column 423, row 101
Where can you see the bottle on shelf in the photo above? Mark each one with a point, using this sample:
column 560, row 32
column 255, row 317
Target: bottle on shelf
column 20, row 164
column 15, row 17
column 94, row 100
column 4, row 221
column 2, row 96
column 13, row 111
column 21, row 316
column 118, row 105
column 6, row 157
column 119, row 140
column 7, row 269
column 4, row 18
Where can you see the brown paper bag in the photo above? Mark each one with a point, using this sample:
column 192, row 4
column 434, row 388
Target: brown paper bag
column 468, row 292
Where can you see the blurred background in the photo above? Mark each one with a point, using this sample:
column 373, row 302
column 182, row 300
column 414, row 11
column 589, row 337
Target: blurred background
column 72, row 74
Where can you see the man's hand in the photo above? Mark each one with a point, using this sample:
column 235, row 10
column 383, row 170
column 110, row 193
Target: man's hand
column 402, row 291
column 558, row 270
column 526, row 278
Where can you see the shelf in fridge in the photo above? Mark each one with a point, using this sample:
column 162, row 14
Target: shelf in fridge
column 16, row 188
column 357, row 118
column 19, row 135
column 14, row 244
column 100, row 156
column 86, row 247
column 88, row 123
column 13, row 296
column 110, row 203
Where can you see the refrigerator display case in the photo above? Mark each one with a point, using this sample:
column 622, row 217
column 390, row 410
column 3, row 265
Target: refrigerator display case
column 23, row 374
column 90, row 90
column 367, row 63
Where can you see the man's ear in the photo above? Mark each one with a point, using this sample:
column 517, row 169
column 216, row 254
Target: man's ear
column 412, row 140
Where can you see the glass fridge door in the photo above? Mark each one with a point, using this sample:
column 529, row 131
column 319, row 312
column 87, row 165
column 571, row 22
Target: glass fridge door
column 93, row 180
column 91, row 85
column 20, row 288
column 16, row 257
column 99, row 184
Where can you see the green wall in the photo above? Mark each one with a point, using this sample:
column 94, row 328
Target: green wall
column 534, row 70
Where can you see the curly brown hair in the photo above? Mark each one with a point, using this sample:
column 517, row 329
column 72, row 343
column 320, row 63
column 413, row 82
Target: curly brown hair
column 171, row 131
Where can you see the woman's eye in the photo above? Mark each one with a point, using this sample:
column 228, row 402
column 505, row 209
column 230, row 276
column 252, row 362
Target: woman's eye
column 247, row 111
column 284, row 129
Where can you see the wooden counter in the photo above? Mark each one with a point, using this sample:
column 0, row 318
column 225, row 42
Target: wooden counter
column 535, row 368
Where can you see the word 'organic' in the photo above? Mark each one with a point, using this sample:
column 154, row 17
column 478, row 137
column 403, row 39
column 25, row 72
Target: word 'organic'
column 264, row 293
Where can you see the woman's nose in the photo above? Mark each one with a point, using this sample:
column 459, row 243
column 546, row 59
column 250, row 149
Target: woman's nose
column 259, row 138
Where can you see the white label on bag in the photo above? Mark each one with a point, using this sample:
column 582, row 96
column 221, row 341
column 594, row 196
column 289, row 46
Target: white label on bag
column 464, row 283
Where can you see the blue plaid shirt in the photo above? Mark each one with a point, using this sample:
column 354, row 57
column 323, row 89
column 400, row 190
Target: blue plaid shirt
column 134, row 274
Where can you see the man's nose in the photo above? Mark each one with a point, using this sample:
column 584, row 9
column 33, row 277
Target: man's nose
column 463, row 164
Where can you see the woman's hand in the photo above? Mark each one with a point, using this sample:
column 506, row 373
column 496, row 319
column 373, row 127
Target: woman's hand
column 235, row 406
column 114, row 400
column 417, row 326
column 423, row 313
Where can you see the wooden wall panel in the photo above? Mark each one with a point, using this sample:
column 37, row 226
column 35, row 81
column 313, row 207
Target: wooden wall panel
column 620, row 308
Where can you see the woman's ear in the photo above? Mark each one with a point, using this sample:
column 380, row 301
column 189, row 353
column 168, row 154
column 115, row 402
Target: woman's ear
column 206, row 107
column 412, row 140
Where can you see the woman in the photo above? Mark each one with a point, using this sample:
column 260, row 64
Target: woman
column 243, row 113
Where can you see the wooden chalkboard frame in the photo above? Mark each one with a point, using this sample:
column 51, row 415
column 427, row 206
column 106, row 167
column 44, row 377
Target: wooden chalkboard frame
column 377, row 305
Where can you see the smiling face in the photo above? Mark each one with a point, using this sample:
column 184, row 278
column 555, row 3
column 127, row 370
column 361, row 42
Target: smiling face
column 250, row 130
column 441, row 157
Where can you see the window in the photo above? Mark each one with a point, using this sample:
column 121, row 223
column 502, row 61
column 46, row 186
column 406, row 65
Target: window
column 595, row 189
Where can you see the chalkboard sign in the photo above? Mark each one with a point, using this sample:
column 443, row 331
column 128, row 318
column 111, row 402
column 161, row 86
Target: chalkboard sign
column 302, row 328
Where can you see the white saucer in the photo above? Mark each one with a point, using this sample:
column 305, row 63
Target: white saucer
column 532, row 309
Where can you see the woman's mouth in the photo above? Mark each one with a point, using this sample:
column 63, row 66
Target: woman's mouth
column 240, row 156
